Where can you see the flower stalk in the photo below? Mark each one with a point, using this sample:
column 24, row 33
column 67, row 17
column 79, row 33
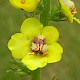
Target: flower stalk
column 36, row 74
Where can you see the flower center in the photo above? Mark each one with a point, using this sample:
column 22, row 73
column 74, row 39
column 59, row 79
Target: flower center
column 23, row 1
column 39, row 46
column 71, row 6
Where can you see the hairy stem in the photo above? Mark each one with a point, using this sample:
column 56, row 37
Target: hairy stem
column 36, row 74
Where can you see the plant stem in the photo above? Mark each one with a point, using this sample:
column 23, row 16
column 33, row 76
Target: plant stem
column 36, row 74
column 44, row 16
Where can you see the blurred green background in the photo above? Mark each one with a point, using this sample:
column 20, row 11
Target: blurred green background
column 67, row 69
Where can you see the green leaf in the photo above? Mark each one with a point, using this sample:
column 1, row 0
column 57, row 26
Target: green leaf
column 19, row 68
column 56, row 14
column 38, row 10
column 44, row 16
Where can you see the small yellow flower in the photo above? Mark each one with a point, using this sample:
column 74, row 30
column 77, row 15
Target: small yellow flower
column 27, row 5
column 36, row 45
column 69, row 10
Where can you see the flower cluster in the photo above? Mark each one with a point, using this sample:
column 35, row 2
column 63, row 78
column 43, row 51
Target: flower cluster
column 69, row 10
column 36, row 45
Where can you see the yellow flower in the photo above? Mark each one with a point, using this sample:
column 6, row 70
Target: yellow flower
column 27, row 5
column 36, row 45
column 69, row 10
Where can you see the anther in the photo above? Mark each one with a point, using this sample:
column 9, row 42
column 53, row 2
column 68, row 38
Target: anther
column 22, row 1
column 45, row 53
column 37, row 47
column 73, row 10
column 31, row 53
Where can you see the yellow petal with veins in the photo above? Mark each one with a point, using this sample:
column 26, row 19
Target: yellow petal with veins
column 50, row 34
column 31, row 27
column 33, row 61
column 54, row 53
column 19, row 45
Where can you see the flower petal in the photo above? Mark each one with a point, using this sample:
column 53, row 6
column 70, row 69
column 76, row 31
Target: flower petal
column 33, row 61
column 51, row 34
column 19, row 45
column 54, row 53
column 66, row 11
column 15, row 3
column 30, row 5
column 77, row 20
column 31, row 27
